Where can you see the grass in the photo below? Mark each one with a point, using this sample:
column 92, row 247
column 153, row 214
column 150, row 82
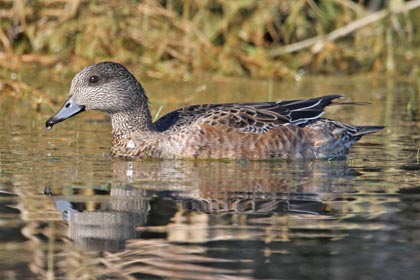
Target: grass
column 191, row 38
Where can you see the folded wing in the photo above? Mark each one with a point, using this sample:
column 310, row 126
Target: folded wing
column 248, row 117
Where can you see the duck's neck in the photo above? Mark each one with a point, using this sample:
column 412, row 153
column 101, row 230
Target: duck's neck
column 135, row 120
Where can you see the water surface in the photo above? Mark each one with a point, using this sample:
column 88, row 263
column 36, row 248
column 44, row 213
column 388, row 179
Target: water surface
column 69, row 210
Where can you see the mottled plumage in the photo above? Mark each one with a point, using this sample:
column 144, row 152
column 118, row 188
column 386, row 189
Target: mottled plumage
column 264, row 130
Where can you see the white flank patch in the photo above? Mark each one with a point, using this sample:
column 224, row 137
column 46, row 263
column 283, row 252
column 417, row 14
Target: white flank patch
column 131, row 144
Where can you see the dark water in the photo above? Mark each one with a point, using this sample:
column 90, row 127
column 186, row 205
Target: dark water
column 105, row 218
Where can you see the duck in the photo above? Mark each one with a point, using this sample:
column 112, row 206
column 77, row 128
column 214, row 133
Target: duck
column 291, row 129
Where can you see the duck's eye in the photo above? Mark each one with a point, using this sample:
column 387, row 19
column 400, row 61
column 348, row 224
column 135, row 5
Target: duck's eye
column 93, row 79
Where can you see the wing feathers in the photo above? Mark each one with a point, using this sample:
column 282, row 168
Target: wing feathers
column 248, row 117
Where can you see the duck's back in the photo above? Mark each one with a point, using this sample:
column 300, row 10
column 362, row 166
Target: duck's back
column 256, row 117
column 267, row 130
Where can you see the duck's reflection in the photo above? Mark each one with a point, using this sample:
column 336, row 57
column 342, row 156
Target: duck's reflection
column 182, row 201
column 104, row 222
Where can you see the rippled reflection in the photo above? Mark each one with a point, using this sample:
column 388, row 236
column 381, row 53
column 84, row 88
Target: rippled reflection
column 185, row 216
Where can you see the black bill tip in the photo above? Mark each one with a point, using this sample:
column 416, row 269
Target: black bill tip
column 50, row 122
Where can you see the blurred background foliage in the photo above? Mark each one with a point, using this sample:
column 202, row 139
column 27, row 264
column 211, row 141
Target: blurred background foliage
column 194, row 38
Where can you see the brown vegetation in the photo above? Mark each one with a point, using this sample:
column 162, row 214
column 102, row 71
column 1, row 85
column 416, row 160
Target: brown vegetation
column 183, row 38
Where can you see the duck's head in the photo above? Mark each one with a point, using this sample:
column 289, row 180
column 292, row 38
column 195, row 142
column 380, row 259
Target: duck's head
column 107, row 87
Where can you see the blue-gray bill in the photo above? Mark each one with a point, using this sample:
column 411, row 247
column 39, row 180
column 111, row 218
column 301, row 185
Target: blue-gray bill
column 69, row 109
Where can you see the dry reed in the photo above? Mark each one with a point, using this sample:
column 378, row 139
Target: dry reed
column 184, row 38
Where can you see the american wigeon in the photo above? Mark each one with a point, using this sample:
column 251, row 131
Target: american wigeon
column 261, row 130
